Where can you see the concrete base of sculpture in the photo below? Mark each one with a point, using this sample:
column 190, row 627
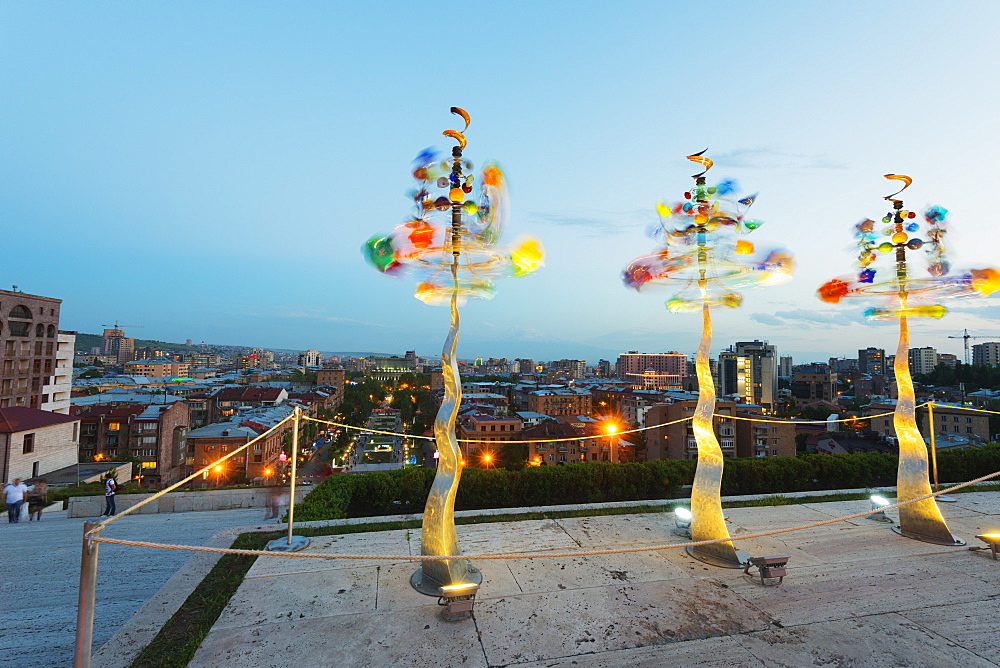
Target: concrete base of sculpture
column 428, row 586
column 714, row 558
column 955, row 542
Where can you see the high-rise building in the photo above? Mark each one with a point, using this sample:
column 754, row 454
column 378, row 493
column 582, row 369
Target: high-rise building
column 784, row 367
column 812, row 383
column 871, row 360
column 923, row 360
column 749, row 370
column 29, row 326
column 309, row 358
column 572, row 368
column 652, row 371
column 604, row 368
column 523, row 366
column 265, row 357
column 116, row 343
column 59, row 388
column 986, row 353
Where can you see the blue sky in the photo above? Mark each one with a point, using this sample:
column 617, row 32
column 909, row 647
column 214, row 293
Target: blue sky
column 210, row 170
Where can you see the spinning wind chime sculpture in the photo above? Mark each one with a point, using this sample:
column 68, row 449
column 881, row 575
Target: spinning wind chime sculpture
column 905, row 296
column 702, row 252
column 449, row 245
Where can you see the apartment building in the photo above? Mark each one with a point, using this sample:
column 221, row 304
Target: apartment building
column 560, row 401
column 949, row 421
column 653, row 371
column 154, row 434
column 59, row 387
column 229, row 401
column 872, row 361
column 740, row 433
column 590, row 444
column 490, row 431
column 986, row 353
column 157, row 367
column 210, row 443
column 812, row 383
column 29, row 326
column 923, row 360
column 749, row 370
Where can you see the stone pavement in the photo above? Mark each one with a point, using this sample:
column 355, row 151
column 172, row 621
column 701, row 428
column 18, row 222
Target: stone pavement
column 856, row 594
column 40, row 577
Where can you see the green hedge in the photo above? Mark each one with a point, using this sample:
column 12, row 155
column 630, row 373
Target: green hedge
column 405, row 491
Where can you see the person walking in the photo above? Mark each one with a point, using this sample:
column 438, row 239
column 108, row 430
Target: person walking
column 38, row 498
column 14, row 496
column 110, row 487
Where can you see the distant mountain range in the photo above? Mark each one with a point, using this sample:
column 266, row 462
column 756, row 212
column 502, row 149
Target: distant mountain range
column 86, row 342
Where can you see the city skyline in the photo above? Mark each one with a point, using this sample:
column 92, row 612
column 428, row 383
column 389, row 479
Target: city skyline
column 211, row 172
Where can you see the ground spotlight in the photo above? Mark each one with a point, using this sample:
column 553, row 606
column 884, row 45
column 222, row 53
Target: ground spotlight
column 993, row 540
column 878, row 509
column 458, row 600
column 682, row 518
column 768, row 568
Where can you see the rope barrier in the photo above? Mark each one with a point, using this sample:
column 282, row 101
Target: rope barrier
column 366, row 429
column 963, row 408
column 534, row 555
column 114, row 518
column 761, row 419
column 547, row 440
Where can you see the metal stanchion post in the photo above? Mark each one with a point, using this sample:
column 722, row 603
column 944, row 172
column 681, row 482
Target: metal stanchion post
column 293, row 543
column 88, row 593
column 944, row 498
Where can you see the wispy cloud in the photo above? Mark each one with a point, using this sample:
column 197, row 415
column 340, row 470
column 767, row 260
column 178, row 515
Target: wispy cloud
column 591, row 225
column 308, row 314
column 770, row 158
column 807, row 319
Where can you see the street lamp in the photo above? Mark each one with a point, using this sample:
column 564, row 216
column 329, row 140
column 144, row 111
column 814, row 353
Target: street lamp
column 487, row 458
column 611, row 429
column 218, row 475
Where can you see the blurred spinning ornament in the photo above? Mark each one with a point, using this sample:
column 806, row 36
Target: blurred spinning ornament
column 904, row 296
column 453, row 224
column 701, row 252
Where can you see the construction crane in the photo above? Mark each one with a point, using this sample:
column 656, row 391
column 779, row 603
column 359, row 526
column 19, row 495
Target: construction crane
column 119, row 327
column 967, row 336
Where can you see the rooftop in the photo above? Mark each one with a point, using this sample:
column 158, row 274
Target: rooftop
column 20, row 418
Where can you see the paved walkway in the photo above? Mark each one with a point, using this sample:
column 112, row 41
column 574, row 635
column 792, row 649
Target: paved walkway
column 40, row 577
column 856, row 595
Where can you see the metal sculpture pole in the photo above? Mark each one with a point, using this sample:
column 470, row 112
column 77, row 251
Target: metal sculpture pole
column 921, row 519
column 708, row 522
column 438, row 536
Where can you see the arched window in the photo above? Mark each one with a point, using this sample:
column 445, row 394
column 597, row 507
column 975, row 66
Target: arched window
column 52, row 332
column 20, row 311
column 39, row 330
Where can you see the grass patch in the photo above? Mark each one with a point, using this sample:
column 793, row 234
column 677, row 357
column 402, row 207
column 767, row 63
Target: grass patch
column 179, row 639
